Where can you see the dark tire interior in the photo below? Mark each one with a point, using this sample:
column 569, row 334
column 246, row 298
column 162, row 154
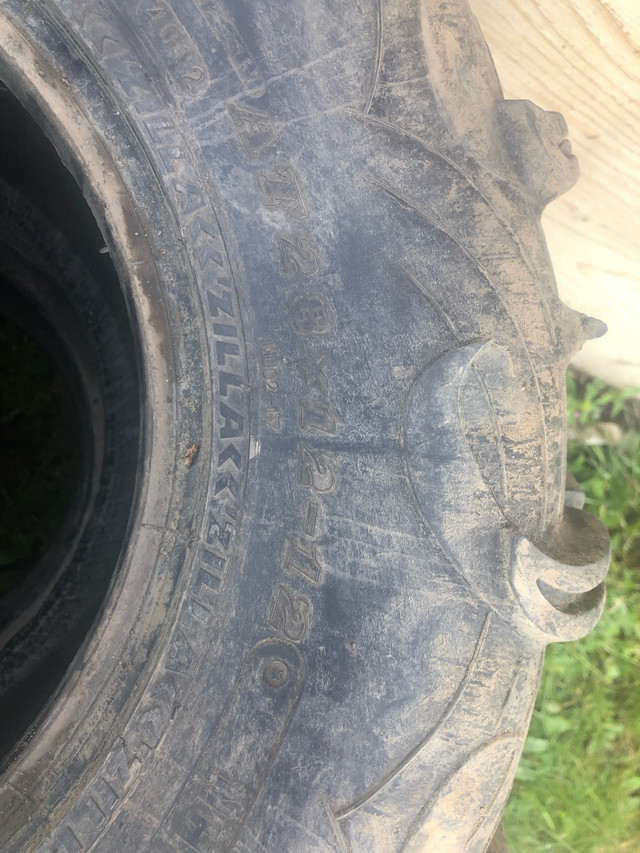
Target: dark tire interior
column 70, row 423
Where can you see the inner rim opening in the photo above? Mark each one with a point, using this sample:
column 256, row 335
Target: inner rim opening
column 65, row 319
column 41, row 441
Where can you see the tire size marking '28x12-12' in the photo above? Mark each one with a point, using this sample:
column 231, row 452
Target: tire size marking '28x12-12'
column 290, row 612
column 214, row 806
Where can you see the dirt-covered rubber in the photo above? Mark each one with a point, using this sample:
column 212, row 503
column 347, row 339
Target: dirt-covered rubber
column 349, row 544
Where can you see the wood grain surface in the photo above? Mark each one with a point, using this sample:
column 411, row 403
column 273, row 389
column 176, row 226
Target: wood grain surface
column 582, row 58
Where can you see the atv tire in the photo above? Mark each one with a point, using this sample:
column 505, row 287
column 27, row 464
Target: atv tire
column 347, row 542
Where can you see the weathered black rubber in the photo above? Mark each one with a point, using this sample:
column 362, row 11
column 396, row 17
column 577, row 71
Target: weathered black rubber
column 350, row 544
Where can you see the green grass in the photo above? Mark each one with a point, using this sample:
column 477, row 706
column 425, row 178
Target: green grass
column 578, row 784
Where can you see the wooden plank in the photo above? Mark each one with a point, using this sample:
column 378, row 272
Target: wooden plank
column 582, row 57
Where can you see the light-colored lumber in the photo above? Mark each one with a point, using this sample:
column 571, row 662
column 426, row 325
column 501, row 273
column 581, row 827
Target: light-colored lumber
column 582, row 58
